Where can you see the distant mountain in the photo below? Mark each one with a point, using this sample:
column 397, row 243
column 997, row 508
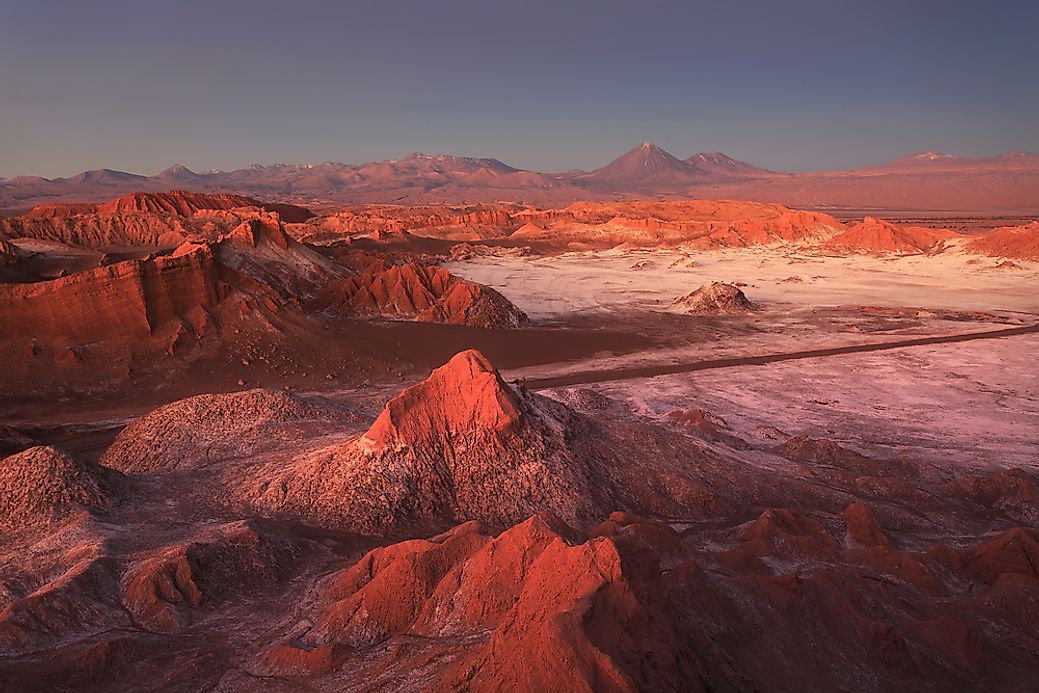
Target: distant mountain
column 179, row 173
column 645, row 163
column 104, row 176
column 922, row 181
column 718, row 164
column 937, row 161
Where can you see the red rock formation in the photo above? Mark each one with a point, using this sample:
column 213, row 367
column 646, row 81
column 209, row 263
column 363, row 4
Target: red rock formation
column 186, row 204
column 863, row 528
column 483, row 403
column 695, row 224
column 128, row 299
column 422, row 292
column 142, row 219
column 1021, row 242
column 1013, row 492
column 538, row 606
column 873, row 235
column 819, row 451
column 486, row 221
column 165, row 589
column 460, row 445
column 707, row 426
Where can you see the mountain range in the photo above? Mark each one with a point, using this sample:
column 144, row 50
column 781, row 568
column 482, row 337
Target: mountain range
column 922, row 181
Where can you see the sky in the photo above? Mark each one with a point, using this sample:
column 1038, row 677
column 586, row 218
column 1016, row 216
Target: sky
column 545, row 85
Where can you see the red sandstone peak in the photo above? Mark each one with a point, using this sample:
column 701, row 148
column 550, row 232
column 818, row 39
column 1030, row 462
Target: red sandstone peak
column 266, row 228
column 464, row 396
column 863, row 528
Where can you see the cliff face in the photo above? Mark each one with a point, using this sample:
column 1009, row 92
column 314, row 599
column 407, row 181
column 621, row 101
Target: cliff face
column 129, row 298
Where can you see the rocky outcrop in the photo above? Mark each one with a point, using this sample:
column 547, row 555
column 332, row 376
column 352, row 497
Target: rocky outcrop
column 539, row 606
column 426, row 293
column 187, row 204
column 236, row 423
column 863, row 528
column 1021, row 242
column 167, row 589
column 690, row 224
column 157, row 220
column 460, row 445
column 485, row 221
column 714, row 298
column 42, row 486
column 819, row 451
column 873, row 235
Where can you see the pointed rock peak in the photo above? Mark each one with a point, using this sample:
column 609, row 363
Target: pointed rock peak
column 465, row 396
column 863, row 528
column 265, row 228
column 541, row 529
column 650, row 149
column 875, row 222
column 178, row 172
column 784, row 530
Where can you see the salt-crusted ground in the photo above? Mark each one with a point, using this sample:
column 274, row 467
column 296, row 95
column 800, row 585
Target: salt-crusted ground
column 546, row 287
column 967, row 403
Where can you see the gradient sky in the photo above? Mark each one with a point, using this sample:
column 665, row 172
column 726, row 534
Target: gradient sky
column 789, row 85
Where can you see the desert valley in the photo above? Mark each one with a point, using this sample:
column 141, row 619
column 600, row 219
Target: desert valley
column 751, row 406
column 616, row 444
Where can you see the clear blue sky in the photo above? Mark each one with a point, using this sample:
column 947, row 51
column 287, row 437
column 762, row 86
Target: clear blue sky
column 790, row 85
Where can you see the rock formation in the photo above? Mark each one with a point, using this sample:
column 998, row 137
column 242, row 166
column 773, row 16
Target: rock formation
column 713, row 298
column 460, row 445
column 153, row 220
column 1021, row 242
column 129, row 299
column 41, row 486
column 420, row 292
column 873, row 235
column 238, row 423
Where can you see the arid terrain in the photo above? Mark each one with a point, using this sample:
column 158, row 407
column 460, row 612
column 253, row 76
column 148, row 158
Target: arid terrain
column 673, row 424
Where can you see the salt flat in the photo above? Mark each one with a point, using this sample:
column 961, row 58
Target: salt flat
column 968, row 404
column 547, row 287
